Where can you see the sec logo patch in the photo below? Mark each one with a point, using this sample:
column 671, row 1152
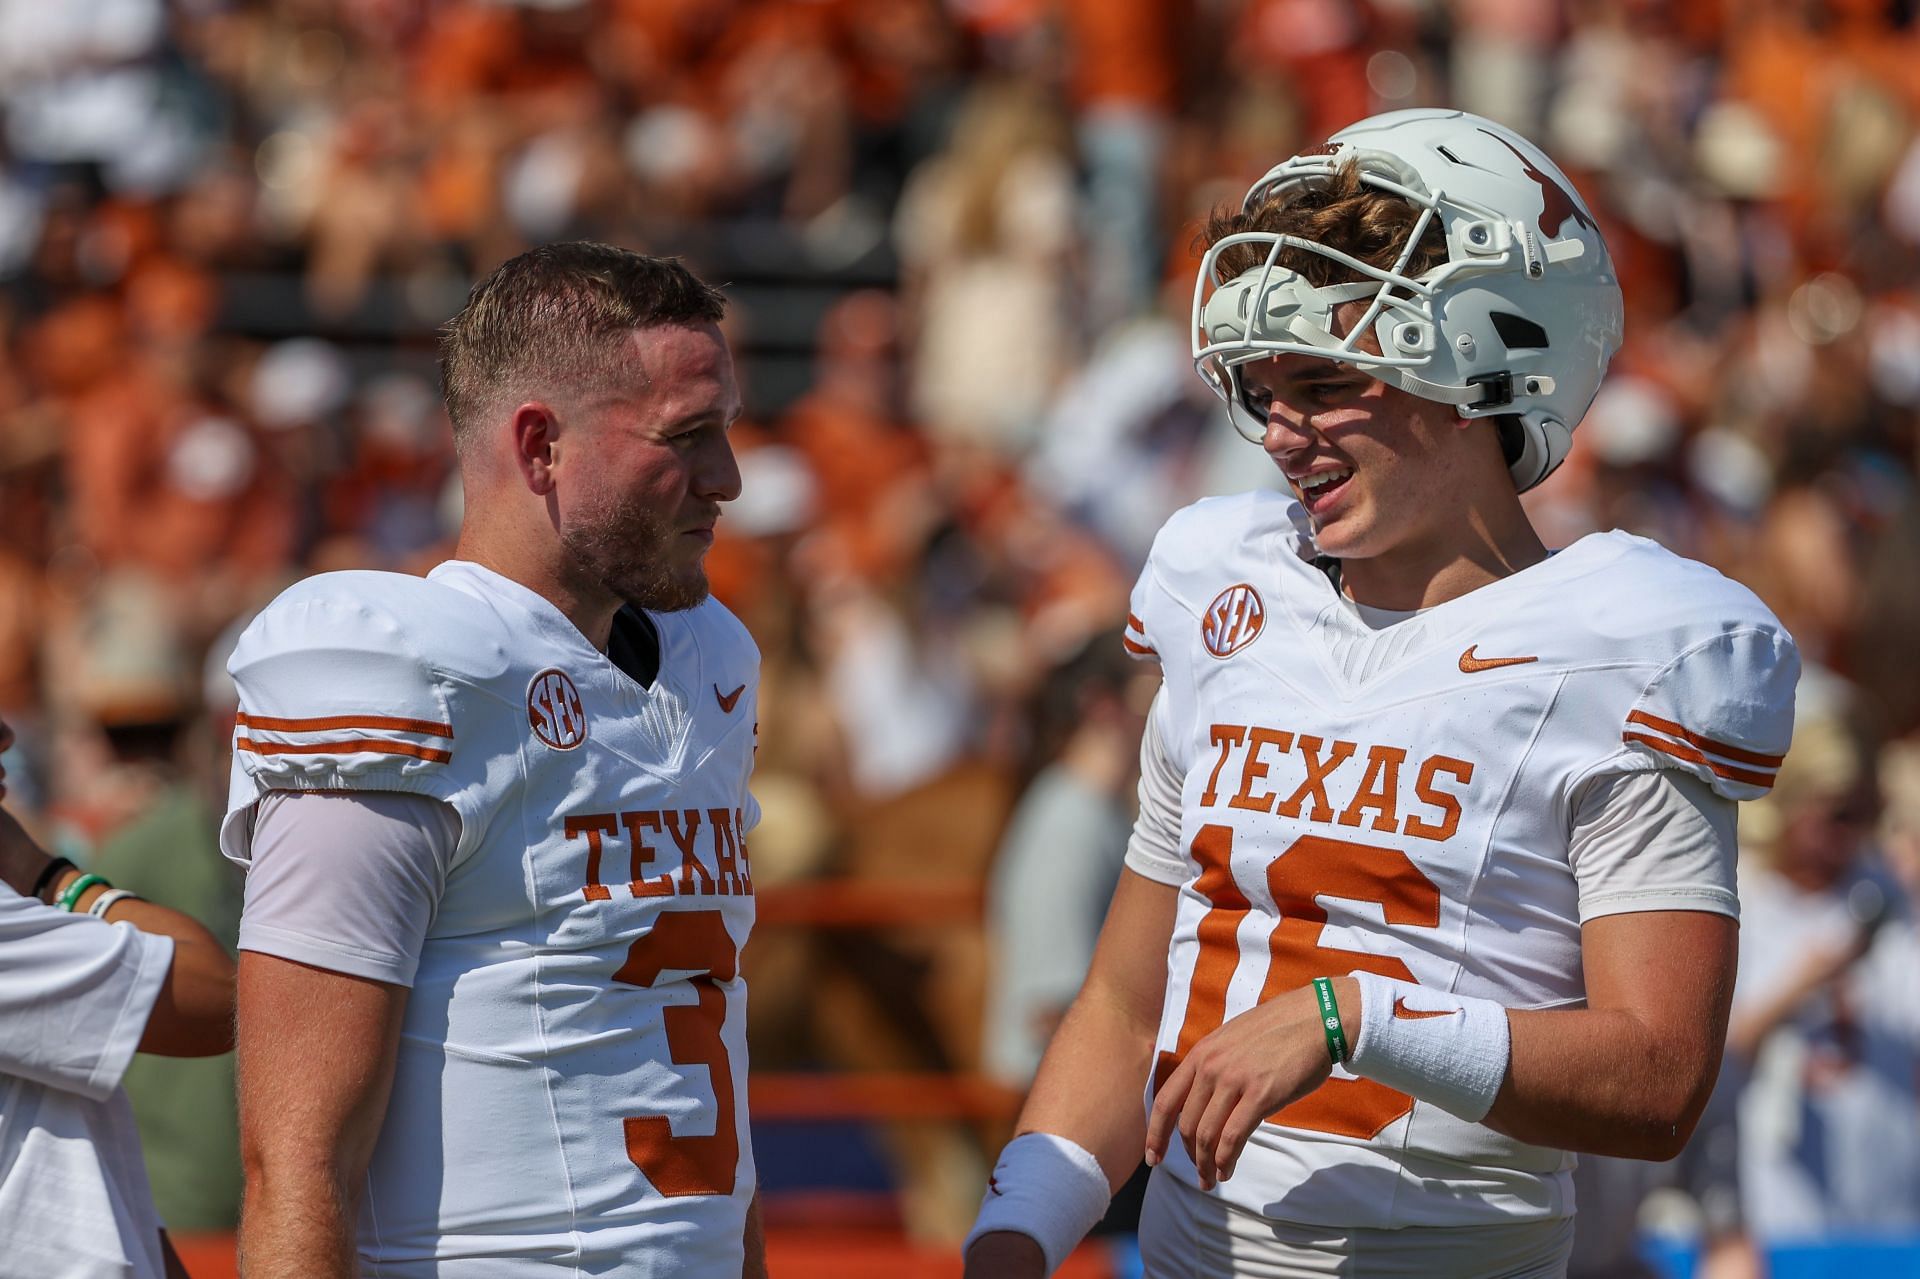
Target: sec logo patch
column 1233, row 620
column 554, row 710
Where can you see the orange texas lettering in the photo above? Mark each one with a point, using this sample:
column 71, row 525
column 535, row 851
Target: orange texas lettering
column 684, row 852
column 1335, row 782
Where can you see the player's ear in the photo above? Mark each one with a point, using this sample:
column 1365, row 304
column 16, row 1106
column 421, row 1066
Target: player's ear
column 535, row 438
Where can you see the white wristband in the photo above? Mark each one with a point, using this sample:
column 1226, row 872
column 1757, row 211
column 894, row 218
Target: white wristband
column 98, row 907
column 1046, row 1188
column 1443, row 1048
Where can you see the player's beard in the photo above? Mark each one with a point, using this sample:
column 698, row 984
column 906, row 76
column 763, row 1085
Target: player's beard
column 627, row 547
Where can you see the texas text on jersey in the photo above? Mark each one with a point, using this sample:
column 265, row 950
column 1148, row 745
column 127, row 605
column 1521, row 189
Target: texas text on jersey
column 570, row 1083
column 1399, row 801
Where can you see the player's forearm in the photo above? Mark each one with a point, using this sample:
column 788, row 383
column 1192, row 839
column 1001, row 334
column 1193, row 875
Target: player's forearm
column 1088, row 1092
column 1604, row 1082
column 193, row 1014
column 296, row 1222
column 1090, row 1081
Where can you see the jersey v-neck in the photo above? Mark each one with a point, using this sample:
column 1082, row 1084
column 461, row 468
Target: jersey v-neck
column 635, row 647
column 1357, row 652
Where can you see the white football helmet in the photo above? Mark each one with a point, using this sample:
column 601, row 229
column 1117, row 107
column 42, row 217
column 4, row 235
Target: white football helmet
column 1520, row 319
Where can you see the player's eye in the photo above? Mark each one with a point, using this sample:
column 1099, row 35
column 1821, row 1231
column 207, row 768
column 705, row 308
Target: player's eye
column 1258, row 399
column 1329, row 392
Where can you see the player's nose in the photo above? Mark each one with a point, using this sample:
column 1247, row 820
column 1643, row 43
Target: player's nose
column 1287, row 432
column 716, row 473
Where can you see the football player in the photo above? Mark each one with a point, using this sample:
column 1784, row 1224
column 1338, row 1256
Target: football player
column 1433, row 878
column 491, row 1015
column 76, row 1000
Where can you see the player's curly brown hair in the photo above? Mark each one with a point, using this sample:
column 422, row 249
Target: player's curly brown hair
column 1345, row 214
column 1357, row 219
column 559, row 313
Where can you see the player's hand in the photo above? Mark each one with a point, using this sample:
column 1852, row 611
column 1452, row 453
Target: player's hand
column 1005, row 1254
column 1269, row 1056
column 21, row 860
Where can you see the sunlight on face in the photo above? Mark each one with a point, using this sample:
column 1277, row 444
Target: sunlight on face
column 658, row 465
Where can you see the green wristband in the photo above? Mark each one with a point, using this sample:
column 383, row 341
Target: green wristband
column 71, row 898
column 1330, row 1019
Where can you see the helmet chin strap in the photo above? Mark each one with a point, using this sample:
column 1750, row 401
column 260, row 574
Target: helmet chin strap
column 1491, row 394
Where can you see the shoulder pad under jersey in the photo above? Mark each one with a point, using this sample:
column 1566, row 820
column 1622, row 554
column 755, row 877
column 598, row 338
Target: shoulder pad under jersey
column 1192, row 559
column 359, row 681
column 1721, row 705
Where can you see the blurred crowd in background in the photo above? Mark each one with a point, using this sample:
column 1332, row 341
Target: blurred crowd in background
column 957, row 235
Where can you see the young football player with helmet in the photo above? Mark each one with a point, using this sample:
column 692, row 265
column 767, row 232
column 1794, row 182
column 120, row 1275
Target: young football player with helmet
column 491, row 1016
column 1433, row 878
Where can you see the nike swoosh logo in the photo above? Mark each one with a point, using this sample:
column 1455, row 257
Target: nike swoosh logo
column 727, row 700
column 1405, row 1013
column 1469, row 663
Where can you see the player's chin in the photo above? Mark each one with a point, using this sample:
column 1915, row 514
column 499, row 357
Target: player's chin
column 675, row 592
column 1341, row 536
column 1347, row 532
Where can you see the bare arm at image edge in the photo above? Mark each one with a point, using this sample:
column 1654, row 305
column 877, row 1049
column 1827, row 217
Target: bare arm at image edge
column 1089, row 1084
column 340, row 893
column 82, row 996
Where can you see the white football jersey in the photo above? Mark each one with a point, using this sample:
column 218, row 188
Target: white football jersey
column 1401, row 801
column 571, row 1080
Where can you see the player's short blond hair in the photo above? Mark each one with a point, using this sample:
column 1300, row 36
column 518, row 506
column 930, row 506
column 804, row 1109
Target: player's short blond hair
column 556, row 316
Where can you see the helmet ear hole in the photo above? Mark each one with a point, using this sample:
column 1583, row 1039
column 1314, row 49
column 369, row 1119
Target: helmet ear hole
column 1518, row 332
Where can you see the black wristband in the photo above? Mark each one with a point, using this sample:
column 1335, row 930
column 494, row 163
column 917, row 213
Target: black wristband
column 51, row 873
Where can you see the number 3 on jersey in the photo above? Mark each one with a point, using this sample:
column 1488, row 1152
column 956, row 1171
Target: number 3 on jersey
column 1312, row 866
column 694, row 941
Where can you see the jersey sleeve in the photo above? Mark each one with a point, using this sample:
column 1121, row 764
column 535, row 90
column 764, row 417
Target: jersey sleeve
column 348, row 883
column 1153, row 849
column 1660, row 840
column 1722, row 711
column 335, row 696
column 77, row 995
column 1134, row 638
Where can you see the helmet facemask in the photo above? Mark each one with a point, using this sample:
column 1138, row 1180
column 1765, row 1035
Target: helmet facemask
column 1443, row 331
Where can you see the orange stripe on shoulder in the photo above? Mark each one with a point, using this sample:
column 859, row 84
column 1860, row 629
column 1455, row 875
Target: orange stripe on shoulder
column 324, row 723
column 1136, row 624
column 1141, row 649
column 1704, row 742
column 1763, row 780
column 371, row 746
